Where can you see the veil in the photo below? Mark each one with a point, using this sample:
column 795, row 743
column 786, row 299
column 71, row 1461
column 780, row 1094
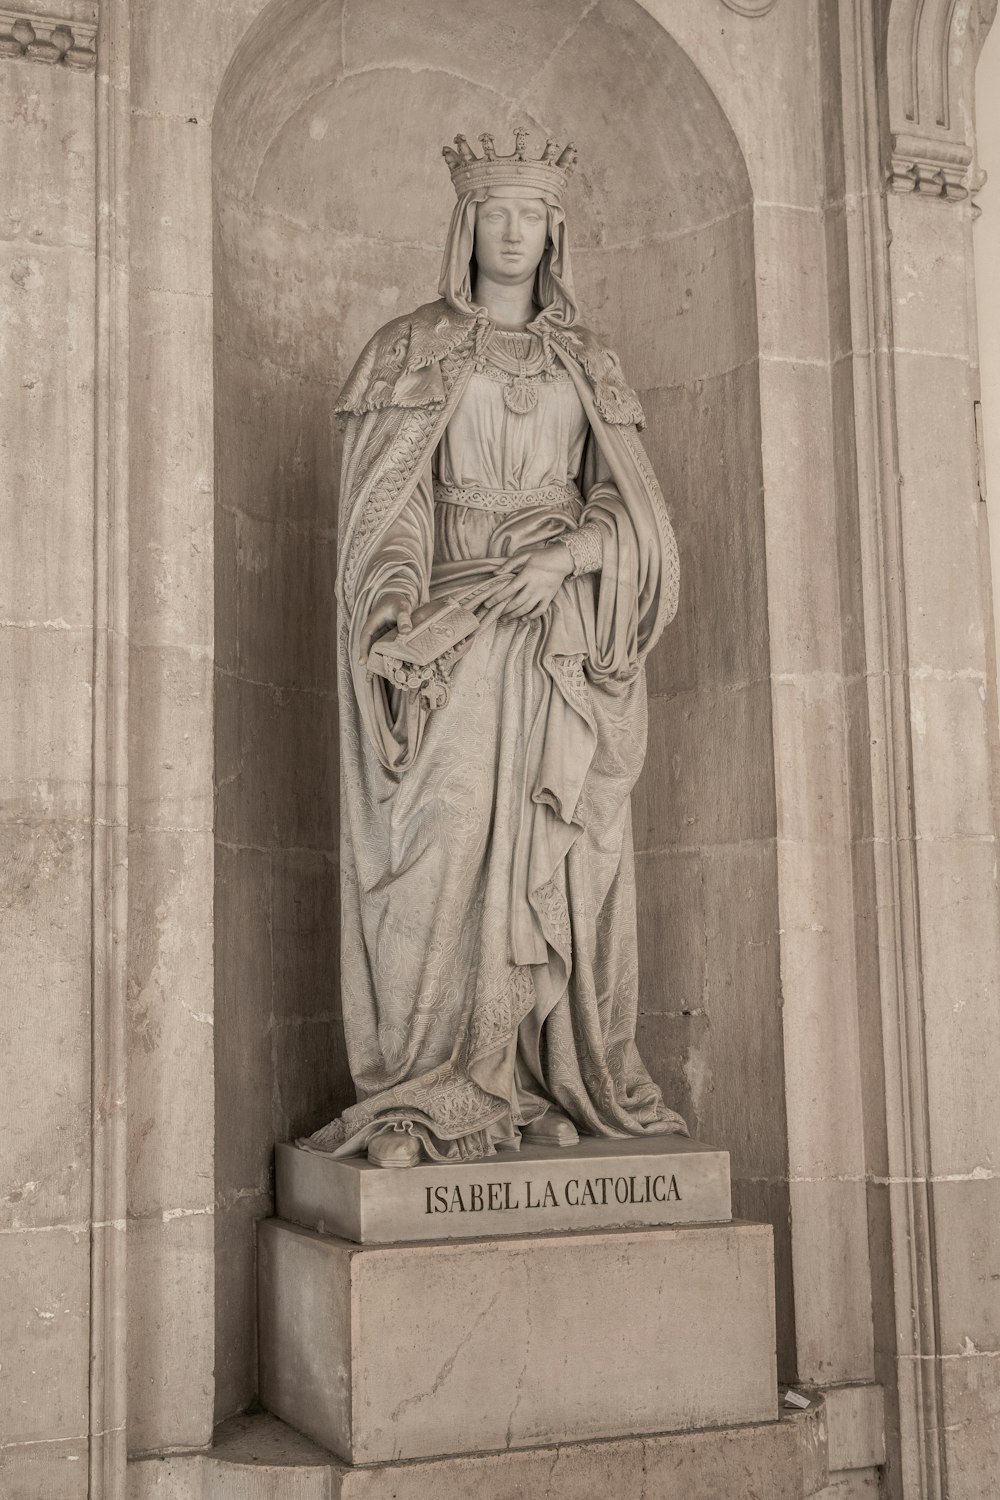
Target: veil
column 553, row 280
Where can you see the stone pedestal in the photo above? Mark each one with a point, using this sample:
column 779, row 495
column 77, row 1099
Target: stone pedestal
column 599, row 1184
column 408, row 1351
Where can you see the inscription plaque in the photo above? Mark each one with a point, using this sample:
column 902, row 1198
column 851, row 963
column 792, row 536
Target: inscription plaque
column 605, row 1184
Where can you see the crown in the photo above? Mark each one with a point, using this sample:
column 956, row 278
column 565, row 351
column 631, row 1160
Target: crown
column 549, row 174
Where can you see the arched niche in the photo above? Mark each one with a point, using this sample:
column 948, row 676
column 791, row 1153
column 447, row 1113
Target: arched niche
column 331, row 201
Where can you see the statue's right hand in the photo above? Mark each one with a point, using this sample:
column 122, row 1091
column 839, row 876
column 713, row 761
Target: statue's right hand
column 387, row 611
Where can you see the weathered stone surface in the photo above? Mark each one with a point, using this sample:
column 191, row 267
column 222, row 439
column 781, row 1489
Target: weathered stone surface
column 260, row 1456
column 170, row 1011
column 171, row 1330
column 683, row 1317
column 45, row 735
column 832, row 1281
column 598, row 1184
column 719, row 788
column 45, row 1024
column 41, row 1471
column 793, row 313
column 45, row 1274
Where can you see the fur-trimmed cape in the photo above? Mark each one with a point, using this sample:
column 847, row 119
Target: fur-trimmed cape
column 401, row 364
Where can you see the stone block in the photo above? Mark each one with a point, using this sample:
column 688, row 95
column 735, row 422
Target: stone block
column 235, row 1300
column 855, row 1424
column 810, row 758
column 960, row 947
column 930, row 277
column 967, row 1256
column 55, row 1470
column 599, row 1184
column 260, row 1456
column 803, row 584
column 312, row 1078
column 672, row 936
column 950, row 746
column 268, row 796
column 171, row 163
column 170, row 738
column 942, row 515
column 833, row 1310
column 278, row 442
column 409, row 1351
column 46, row 412
column 212, row 33
column 819, row 1011
column 708, row 777
column 45, row 873
column 46, row 117
column 46, row 680
column 305, row 934
column 792, row 308
column 286, row 606
column 698, row 289
column 704, row 439
column 971, row 1392
column 44, row 1334
column 170, row 1021
column 171, row 1331
column 171, row 517
column 244, row 1060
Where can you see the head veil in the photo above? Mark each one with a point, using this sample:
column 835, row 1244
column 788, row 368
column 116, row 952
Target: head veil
column 553, row 280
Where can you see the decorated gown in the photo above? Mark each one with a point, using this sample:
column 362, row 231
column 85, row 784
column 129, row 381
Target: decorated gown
column 489, row 955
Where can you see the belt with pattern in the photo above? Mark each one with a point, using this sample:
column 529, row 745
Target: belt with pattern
column 562, row 495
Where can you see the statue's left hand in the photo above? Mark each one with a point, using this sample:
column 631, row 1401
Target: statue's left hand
column 537, row 579
column 389, row 610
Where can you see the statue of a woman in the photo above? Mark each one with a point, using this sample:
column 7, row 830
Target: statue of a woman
column 489, row 956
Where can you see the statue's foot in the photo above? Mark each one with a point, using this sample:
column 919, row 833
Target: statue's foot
column 394, row 1148
column 553, row 1129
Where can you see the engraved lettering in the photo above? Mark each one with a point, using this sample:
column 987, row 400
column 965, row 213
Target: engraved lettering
column 659, row 1189
column 476, row 1203
column 493, row 1191
column 456, row 1200
column 673, row 1193
column 549, row 1199
column 573, row 1184
column 506, row 1198
column 588, row 1194
column 528, row 1190
column 621, row 1189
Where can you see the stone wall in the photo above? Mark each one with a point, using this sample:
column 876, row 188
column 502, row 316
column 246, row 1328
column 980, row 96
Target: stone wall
column 47, row 280
column 820, row 927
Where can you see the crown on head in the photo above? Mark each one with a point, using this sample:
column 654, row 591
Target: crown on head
column 548, row 175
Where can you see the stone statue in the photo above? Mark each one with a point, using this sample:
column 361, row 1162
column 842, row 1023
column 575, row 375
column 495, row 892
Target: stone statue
column 506, row 563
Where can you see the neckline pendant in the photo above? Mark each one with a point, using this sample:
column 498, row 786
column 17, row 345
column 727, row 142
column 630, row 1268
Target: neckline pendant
column 520, row 396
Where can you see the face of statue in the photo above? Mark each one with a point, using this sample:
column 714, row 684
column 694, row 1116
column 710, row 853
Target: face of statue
column 510, row 238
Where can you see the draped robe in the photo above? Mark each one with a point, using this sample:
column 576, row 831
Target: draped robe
column 489, row 955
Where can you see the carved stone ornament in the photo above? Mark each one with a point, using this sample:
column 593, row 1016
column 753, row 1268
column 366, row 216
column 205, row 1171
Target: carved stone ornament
column 933, row 49
column 750, row 7
column 47, row 39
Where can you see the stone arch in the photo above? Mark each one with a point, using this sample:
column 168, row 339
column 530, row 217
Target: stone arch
column 330, row 203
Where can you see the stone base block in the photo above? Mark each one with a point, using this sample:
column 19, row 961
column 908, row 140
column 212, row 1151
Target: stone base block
column 599, row 1184
column 259, row 1458
column 424, row 1350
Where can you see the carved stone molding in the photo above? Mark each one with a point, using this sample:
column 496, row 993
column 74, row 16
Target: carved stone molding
column 933, row 47
column 751, row 7
column 47, row 39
